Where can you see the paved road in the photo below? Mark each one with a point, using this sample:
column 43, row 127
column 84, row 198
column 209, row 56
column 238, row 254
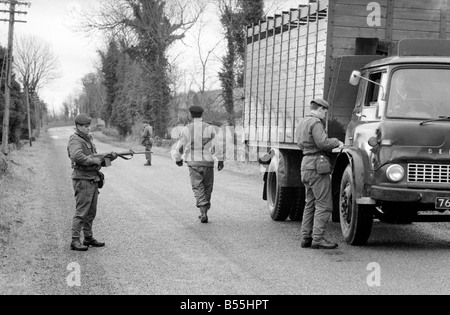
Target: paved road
column 156, row 245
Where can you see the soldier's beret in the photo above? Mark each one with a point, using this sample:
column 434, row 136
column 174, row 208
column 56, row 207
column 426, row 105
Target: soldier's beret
column 321, row 102
column 145, row 122
column 83, row 119
column 196, row 109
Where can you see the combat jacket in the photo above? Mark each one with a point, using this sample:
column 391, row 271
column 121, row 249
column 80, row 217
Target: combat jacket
column 198, row 145
column 313, row 140
column 147, row 135
column 81, row 150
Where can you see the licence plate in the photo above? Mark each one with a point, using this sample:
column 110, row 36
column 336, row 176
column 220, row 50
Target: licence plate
column 443, row 203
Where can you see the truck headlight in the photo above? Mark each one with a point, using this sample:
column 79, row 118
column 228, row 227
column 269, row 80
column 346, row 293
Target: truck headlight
column 395, row 173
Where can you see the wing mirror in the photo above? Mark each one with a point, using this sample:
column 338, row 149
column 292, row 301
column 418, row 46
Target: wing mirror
column 355, row 78
column 373, row 142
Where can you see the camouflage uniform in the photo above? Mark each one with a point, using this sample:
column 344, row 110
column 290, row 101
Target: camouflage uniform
column 85, row 183
column 147, row 142
column 314, row 142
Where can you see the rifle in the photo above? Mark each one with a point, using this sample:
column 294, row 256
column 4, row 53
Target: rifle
column 127, row 155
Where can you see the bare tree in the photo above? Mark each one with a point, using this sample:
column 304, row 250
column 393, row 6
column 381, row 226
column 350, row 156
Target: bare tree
column 274, row 6
column 205, row 56
column 146, row 30
column 37, row 66
column 124, row 19
column 71, row 106
column 66, row 111
column 95, row 93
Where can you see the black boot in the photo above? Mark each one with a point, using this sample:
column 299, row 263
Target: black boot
column 203, row 215
column 76, row 246
column 92, row 242
column 306, row 242
column 323, row 244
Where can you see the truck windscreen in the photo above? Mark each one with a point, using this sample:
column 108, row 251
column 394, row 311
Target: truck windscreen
column 419, row 94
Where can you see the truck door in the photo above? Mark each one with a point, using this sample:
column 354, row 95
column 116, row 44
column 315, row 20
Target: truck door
column 370, row 107
column 374, row 103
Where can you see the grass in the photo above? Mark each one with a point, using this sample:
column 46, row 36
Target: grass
column 13, row 188
column 3, row 165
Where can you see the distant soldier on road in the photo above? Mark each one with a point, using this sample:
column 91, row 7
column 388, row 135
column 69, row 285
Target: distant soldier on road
column 316, row 175
column 147, row 141
column 198, row 145
column 86, row 179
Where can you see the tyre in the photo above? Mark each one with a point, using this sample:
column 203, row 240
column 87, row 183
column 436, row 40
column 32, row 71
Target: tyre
column 279, row 199
column 356, row 220
column 298, row 205
column 335, row 216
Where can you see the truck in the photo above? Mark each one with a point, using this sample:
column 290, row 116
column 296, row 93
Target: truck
column 357, row 55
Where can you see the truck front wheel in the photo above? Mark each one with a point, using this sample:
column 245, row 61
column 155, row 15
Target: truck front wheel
column 356, row 220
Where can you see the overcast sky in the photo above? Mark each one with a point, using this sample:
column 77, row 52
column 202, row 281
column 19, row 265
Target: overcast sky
column 52, row 21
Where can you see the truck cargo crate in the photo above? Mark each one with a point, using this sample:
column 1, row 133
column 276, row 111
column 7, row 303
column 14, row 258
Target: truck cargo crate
column 291, row 58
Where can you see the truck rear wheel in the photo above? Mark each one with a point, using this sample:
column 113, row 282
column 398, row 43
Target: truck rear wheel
column 279, row 199
column 298, row 205
column 356, row 220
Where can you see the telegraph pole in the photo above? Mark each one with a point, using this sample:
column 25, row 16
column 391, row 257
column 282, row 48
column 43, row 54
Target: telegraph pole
column 12, row 12
column 27, row 100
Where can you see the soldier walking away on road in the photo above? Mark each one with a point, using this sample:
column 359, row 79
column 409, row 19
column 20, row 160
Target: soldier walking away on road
column 86, row 178
column 198, row 146
column 147, row 141
column 316, row 175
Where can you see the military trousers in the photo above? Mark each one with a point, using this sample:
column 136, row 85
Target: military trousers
column 86, row 196
column 319, row 204
column 202, row 181
column 148, row 148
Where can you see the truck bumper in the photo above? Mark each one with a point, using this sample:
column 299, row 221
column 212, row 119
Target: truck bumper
column 407, row 195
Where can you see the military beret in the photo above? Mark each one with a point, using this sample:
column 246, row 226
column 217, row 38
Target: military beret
column 145, row 122
column 83, row 119
column 321, row 102
column 196, row 109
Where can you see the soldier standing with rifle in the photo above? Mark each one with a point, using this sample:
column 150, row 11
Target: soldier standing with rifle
column 87, row 179
column 147, row 141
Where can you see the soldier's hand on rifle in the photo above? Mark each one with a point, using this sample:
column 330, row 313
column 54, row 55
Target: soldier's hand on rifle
column 180, row 163
column 220, row 166
column 113, row 156
column 96, row 161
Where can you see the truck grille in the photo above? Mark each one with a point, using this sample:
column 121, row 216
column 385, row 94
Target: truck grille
column 429, row 173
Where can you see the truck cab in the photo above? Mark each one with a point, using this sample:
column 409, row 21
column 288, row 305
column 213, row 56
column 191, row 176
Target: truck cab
column 396, row 165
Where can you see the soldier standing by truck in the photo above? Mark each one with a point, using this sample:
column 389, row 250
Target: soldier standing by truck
column 316, row 170
column 147, row 141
